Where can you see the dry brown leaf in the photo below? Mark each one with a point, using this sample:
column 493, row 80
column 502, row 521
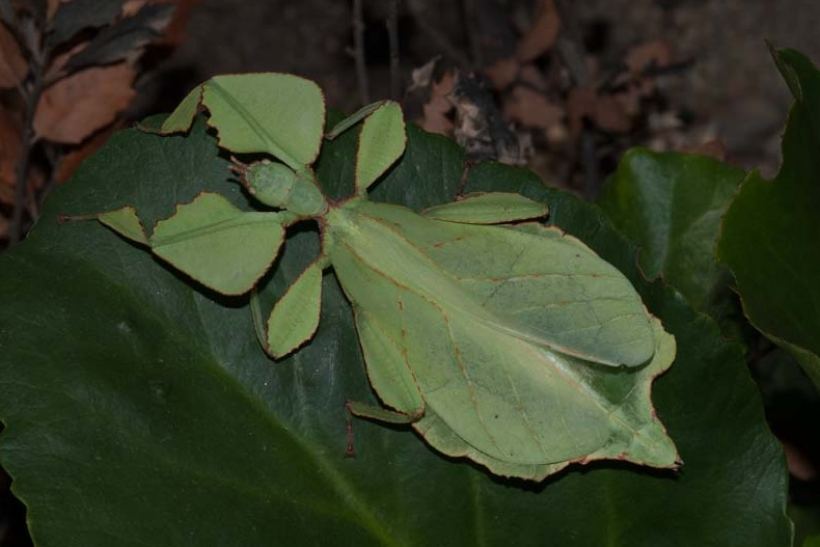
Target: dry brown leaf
column 714, row 148
column 77, row 106
column 6, row 194
column 606, row 111
column 13, row 66
column 580, row 105
column 174, row 32
column 10, row 137
column 10, row 155
column 799, row 464
column 53, row 6
column 130, row 7
column 610, row 115
column 630, row 99
column 642, row 56
column 422, row 77
column 532, row 75
column 532, row 109
column 71, row 162
column 435, row 111
column 541, row 36
column 55, row 68
column 502, row 73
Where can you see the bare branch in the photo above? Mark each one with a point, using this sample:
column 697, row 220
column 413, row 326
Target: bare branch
column 358, row 51
column 393, row 36
column 439, row 38
column 471, row 28
column 37, row 63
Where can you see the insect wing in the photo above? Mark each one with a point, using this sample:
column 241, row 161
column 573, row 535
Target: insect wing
column 553, row 289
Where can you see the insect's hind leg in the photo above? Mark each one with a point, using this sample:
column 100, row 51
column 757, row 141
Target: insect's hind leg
column 389, row 375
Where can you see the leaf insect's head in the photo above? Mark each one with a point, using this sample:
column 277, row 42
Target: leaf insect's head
column 277, row 185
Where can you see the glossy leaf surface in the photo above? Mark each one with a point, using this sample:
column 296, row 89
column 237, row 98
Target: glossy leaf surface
column 148, row 398
column 771, row 232
column 670, row 205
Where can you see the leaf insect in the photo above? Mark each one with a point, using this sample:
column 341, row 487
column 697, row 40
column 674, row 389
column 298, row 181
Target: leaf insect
column 497, row 338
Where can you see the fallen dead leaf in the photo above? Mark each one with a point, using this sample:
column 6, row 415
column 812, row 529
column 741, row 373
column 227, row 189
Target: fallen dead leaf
column 422, row 76
column 174, row 33
column 609, row 115
column 642, row 56
column 10, row 136
column 55, row 69
column 13, row 66
column 580, row 105
column 799, row 464
column 531, row 109
column 502, row 73
column 530, row 74
column 131, row 7
column 630, row 99
column 53, row 6
column 714, row 148
column 77, row 106
column 6, row 194
column 541, row 36
column 605, row 111
column 434, row 117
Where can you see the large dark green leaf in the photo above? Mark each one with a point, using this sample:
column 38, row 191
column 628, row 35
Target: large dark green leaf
column 140, row 410
column 670, row 205
column 771, row 232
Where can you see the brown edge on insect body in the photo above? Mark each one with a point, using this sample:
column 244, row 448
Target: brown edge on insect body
column 204, row 284
column 646, row 392
column 412, row 417
column 200, row 107
column 360, row 192
column 66, row 219
column 220, row 142
column 318, row 261
column 501, row 223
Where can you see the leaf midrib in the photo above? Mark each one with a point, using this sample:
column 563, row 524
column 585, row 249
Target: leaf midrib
column 367, row 520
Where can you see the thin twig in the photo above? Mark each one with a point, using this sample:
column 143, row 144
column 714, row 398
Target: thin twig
column 358, row 51
column 471, row 28
column 570, row 48
column 393, row 37
column 28, row 141
column 439, row 38
column 21, row 183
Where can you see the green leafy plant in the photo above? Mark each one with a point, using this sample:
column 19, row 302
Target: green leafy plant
column 774, row 257
column 146, row 395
